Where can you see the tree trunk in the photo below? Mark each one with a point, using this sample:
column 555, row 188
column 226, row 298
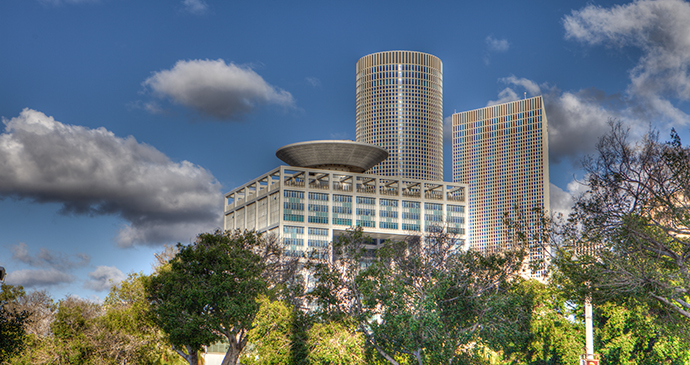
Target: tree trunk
column 237, row 341
column 192, row 356
column 418, row 356
column 232, row 357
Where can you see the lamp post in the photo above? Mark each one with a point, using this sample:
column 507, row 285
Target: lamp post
column 588, row 358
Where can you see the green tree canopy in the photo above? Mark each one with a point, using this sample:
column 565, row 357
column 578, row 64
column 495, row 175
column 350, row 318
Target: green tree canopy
column 12, row 323
column 424, row 299
column 630, row 233
column 209, row 291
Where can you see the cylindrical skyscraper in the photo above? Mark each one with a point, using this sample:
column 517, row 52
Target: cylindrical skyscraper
column 400, row 108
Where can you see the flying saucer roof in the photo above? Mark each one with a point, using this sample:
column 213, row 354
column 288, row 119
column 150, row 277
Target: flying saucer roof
column 332, row 155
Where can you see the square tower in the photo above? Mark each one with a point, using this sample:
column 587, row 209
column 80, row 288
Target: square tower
column 501, row 152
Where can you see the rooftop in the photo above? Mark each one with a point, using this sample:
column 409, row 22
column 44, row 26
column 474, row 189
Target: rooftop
column 341, row 155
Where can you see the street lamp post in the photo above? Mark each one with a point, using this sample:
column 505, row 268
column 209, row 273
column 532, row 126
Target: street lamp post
column 588, row 358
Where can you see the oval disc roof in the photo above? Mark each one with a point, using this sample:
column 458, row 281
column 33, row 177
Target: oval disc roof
column 333, row 155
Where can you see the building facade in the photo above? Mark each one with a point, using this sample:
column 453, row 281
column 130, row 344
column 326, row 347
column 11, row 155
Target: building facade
column 400, row 108
column 307, row 208
column 501, row 153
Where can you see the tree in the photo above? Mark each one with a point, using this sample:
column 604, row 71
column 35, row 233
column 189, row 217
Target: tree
column 209, row 291
column 76, row 333
column 628, row 334
column 335, row 343
column 632, row 227
column 283, row 335
column 130, row 336
column 12, row 323
column 424, row 299
column 41, row 310
column 556, row 326
column 271, row 337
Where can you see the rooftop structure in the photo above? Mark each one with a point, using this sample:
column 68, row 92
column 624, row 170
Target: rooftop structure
column 332, row 155
column 400, row 108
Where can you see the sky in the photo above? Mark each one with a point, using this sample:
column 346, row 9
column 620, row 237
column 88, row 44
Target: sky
column 124, row 122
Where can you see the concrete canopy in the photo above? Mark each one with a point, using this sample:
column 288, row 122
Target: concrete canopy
column 340, row 155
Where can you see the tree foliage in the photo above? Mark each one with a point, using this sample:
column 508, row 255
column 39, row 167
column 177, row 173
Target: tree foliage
column 335, row 343
column 631, row 229
column 208, row 292
column 629, row 335
column 13, row 323
column 79, row 331
column 425, row 300
column 271, row 337
column 556, row 327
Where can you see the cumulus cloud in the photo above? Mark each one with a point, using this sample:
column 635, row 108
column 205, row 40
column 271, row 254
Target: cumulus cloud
column 659, row 29
column 48, row 258
column 32, row 278
column 562, row 201
column 508, row 94
column 497, row 45
column 578, row 119
column 216, row 89
column 94, row 172
column 195, row 6
column 53, row 267
column 103, row 278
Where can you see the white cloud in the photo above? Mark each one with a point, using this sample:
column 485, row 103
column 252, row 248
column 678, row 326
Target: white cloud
column 216, row 89
column 508, row 94
column 94, row 172
column 195, row 6
column 48, row 258
column 562, row 201
column 659, row 28
column 497, row 45
column 40, row 278
column 505, row 96
column 103, row 278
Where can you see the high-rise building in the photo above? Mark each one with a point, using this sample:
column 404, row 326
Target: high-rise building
column 501, row 152
column 400, row 108
column 325, row 191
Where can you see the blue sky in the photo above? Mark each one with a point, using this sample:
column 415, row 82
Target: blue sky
column 124, row 122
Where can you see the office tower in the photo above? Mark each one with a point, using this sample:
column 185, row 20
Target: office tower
column 400, row 108
column 325, row 191
column 502, row 153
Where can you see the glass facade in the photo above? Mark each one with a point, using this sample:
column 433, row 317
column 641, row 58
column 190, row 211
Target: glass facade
column 411, row 216
column 366, row 212
column 293, row 207
column 388, row 214
column 342, row 210
column 318, row 208
column 293, row 241
column 400, row 108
